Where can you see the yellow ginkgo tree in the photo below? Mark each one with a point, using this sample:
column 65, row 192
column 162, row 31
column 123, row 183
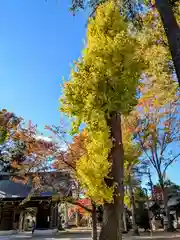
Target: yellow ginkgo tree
column 101, row 89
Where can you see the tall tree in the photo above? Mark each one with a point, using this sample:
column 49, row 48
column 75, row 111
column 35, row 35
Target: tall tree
column 156, row 116
column 158, row 132
column 172, row 31
column 132, row 152
column 97, row 94
column 68, row 159
column 134, row 11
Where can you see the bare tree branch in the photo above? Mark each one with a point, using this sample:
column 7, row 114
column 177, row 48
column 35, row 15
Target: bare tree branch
column 170, row 162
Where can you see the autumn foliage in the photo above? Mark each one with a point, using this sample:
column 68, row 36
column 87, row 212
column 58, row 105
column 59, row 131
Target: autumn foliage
column 67, row 159
column 8, row 124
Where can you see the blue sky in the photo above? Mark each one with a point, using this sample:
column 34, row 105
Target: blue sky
column 38, row 42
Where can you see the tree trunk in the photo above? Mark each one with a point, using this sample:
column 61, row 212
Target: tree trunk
column 133, row 208
column 172, row 32
column 60, row 227
column 21, row 220
column 77, row 218
column 66, row 217
column 150, row 183
column 94, row 222
column 124, row 221
column 165, row 200
column 112, row 215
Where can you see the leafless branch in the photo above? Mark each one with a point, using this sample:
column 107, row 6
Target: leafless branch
column 170, row 162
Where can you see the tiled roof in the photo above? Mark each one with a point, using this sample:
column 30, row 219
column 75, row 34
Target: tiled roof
column 173, row 201
column 12, row 189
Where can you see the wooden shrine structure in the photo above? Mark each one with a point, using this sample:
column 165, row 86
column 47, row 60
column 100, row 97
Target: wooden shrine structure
column 17, row 199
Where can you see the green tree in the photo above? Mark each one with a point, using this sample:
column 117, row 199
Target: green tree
column 97, row 94
column 172, row 188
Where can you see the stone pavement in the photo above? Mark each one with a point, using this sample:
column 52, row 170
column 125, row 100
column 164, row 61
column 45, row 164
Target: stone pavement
column 86, row 235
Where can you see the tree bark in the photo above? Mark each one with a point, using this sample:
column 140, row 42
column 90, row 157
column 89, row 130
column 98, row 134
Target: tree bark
column 133, row 208
column 150, row 182
column 112, row 215
column 66, row 217
column 60, row 227
column 77, row 218
column 124, row 221
column 165, row 200
column 172, row 31
column 94, row 222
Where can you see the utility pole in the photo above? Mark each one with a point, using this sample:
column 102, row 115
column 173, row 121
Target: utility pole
column 148, row 173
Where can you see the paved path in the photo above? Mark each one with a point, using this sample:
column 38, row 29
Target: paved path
column 87, row 236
